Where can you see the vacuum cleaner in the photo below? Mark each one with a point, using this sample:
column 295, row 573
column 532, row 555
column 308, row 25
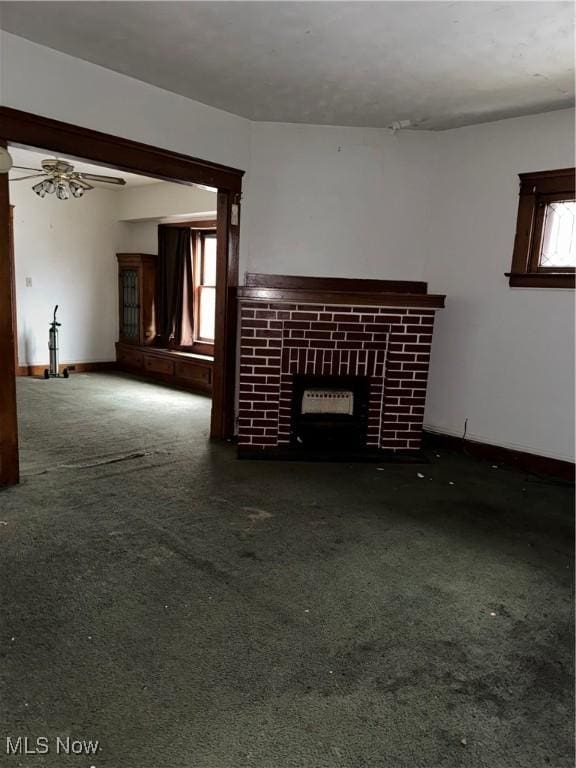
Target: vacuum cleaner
column 53, row 372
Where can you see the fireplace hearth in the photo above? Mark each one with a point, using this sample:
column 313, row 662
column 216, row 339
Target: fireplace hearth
column 333, row 368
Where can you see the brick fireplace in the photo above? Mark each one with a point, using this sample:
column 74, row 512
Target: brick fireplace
column 292, row 327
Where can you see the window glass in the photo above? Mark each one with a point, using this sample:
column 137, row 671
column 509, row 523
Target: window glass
column 209, row 271
column 559, row 235
column 206, row 314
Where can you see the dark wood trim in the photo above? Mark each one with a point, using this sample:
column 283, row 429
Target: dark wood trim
column 337, row 284
column 524, row 232
column 549, row 182
column 23, row 128
column 200, row 224
column 200, row 348
column 340, row 297
column 170, row 366
column 9, row 467
column 542, row 279
column 536, row 189
column 177, row 354
column 224, row 376
column 38, row 370
column 526, row 462
column 144, row 264
column 13, row 282
column 536, row 175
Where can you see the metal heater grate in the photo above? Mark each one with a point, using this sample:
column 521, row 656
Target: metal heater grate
column 328, row 401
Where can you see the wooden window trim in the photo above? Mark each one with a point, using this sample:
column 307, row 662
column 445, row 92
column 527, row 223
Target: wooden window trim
column 536, row 190
column 202, row 346
column 199, row 346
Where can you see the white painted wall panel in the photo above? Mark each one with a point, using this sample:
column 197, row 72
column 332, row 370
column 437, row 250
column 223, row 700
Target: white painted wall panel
column 46, row 82
column 502, row 357
column 67, row 248
column 156, row 201
column 345, row 202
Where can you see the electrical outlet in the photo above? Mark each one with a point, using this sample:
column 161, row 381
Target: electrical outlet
column 28, row 282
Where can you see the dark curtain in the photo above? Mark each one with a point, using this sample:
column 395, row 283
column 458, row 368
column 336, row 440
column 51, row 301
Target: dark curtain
column 174, row 293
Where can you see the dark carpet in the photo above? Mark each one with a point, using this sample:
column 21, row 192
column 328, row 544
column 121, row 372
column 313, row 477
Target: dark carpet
column 188, row 610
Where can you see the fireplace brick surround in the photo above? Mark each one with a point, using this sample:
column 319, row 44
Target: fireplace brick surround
column 382, row 332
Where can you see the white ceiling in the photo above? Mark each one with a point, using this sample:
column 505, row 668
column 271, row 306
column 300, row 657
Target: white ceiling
column 31, row 158
column 439, row 64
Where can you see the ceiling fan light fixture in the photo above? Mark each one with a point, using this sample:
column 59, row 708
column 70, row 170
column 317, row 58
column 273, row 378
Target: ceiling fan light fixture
column 40, row 189
column 61, row 178
column 76, row 189
column 62, row 191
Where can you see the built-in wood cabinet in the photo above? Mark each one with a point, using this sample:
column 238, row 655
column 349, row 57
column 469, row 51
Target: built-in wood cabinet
column 135, row 350
column 170, row 366
column 136, row 286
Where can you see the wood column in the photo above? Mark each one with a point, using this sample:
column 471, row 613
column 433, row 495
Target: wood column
column 224, row 373
column 9, row 468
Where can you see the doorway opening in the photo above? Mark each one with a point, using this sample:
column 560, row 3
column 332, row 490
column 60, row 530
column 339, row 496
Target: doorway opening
column 195, row 341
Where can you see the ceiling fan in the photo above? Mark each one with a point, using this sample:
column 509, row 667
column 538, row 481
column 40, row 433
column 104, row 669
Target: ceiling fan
column 60, row 177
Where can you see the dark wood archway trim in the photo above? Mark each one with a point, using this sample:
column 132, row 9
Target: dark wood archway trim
column 22, row 128
column 9, row 466
column 123, row 154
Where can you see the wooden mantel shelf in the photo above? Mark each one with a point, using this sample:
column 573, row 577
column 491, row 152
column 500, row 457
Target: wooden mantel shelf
column 358, row 298
column 295, row 289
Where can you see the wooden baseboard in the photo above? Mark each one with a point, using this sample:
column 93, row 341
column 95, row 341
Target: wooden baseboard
column 38, row 370
column 527, row 462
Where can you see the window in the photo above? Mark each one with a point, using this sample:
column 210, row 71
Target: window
column 174, row 288
column 204, row 248
column 558, row 248
column 545, row 244
column 186, row 287
column 206, row 287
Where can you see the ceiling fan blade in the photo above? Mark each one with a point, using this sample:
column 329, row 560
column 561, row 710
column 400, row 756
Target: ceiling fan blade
column 25, row 168
column 83, row 183
column 32, row 176
column 106, row 179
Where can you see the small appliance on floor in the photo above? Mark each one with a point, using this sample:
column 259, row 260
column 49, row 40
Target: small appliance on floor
column 53, row 372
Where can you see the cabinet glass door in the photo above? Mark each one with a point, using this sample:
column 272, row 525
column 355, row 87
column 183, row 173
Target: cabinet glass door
column 130, row 304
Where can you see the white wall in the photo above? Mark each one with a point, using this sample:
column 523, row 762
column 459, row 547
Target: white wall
column 346, row 202
column 141, row 208
column 502, row 357
column 46, row 82
column 140, row 237
column 67, row 248
column 157, row 201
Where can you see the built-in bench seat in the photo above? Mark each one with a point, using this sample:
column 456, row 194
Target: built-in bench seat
column 184, row 369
